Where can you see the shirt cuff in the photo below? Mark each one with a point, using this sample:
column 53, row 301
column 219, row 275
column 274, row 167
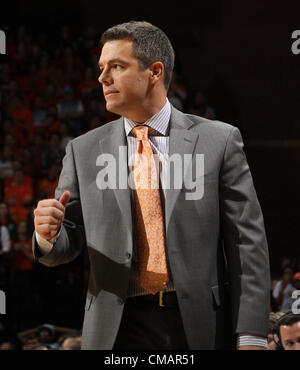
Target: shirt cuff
column 46, row 245
column 251, row 340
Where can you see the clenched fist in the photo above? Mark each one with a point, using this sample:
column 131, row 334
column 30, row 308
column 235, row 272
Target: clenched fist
column 49, row 215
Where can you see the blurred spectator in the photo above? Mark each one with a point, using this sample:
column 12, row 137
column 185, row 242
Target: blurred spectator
column 18, row 165
column 7, row 346
column 11, row 135
column 46, row 186
column 18, row 196
column 43, row 70
column 71, row 66
column 28, row 83
column 5, row 75
column 24, row 55
column 4, row 240
column 283, row 290
column 39, row 114
column 90, row 83
column 65, row 137
column 71, row 110
column 44, row 347
column 31, row 342
column 11, row 90
column 94, row 108
column 286, row 262
column 51, row 124
column 50, row 96
column 200, row 106
column 7, row 129
column 177, row 93
column 37, row 147
column 23, row 257
column 46, row 334
column 4, row 254
column 70, row 342
column 43, row 81
column 6, row 162
column 94, row 61
column 27, row 160
column 21, row 278
column 88, row 45
column 52, row 153
column 288, row 332
column 22, row 116
column 9, row 140
column 58, row 79
column 6, row 220
column 65, row 39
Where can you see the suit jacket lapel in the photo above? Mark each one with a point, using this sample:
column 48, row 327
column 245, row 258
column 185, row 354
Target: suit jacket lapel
column 114, row 142
column 182, row 141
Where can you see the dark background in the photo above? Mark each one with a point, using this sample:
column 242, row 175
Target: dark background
column 241, row 52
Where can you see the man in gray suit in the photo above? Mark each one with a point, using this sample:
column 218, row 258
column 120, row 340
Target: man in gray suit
column 217, row 291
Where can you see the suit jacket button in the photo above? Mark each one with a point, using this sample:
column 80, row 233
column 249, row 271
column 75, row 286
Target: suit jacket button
column 128, row 255
column 120, row 301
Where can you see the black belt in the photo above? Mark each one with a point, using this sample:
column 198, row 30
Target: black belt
column 162, row 299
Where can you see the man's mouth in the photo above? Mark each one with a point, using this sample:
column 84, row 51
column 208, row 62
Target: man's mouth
column 109, row 93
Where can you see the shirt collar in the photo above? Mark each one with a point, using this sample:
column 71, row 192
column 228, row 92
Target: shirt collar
column 159, row 122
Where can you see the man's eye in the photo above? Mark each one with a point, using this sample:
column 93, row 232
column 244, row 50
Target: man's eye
column 117, row 66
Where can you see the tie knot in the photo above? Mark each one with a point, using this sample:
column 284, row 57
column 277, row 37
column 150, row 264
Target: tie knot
column 141, row 132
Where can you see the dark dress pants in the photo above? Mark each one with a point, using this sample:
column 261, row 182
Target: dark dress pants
column 146, row 325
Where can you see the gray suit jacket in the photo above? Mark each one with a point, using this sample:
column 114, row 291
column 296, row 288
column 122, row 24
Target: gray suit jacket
column 216, row 245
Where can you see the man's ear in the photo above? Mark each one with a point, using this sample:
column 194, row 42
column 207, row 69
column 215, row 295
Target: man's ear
column 157, row 71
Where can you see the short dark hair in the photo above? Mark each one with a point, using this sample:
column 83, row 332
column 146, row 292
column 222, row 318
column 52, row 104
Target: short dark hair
column 150, row 44
column 288, row 319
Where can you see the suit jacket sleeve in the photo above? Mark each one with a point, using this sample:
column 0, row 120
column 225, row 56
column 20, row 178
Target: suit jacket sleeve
column 72, row 237
column 245, row 241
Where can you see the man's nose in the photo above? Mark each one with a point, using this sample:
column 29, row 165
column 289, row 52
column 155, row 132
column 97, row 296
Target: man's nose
column 105, row 78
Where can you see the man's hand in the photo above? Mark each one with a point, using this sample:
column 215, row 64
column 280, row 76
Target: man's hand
column 49, row 215
column 252, row 348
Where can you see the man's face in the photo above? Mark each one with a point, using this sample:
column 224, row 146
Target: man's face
column 125, row 84
column 290, row 336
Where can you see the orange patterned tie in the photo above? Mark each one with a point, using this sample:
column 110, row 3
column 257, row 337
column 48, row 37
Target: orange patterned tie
column 149, row 216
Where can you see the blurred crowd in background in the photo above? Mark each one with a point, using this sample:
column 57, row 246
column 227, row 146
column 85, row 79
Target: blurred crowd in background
column 50, row 94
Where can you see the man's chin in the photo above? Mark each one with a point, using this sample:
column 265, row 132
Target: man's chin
column 112, row 108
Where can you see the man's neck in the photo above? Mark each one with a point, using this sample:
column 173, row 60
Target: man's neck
column 147, row 111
